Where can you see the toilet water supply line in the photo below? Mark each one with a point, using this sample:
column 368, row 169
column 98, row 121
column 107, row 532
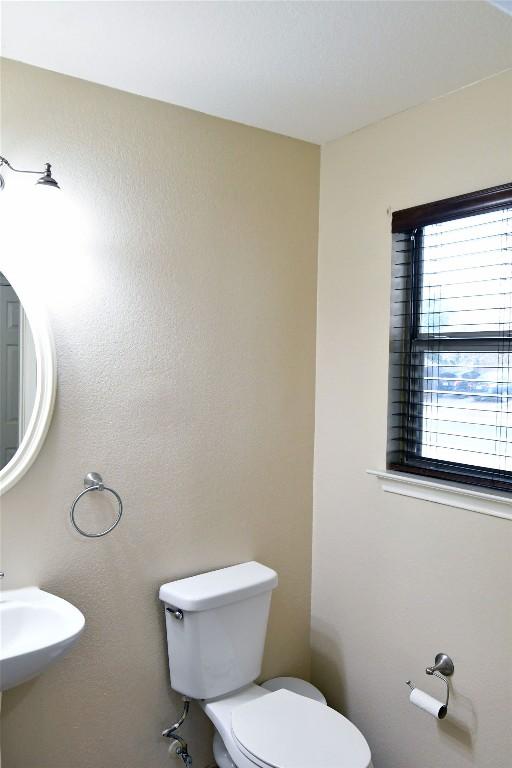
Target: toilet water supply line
column 170, row 733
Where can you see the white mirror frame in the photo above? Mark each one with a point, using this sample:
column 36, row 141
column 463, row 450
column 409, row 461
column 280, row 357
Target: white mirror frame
column 44, row 401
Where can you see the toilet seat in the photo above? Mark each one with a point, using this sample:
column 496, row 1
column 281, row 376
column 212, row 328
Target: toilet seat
column 286, row 730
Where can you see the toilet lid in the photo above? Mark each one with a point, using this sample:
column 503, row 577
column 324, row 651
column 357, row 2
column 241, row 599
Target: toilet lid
column 285, row 730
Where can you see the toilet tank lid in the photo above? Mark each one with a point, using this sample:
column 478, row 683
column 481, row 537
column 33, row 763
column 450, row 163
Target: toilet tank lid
column 216, row 588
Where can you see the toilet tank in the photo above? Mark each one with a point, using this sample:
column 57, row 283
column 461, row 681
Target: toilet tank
column 216, row 625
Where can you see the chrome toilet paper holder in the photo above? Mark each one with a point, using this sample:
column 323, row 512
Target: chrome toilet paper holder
column 442, row 668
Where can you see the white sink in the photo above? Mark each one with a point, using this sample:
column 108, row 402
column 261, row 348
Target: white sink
column 36, row 629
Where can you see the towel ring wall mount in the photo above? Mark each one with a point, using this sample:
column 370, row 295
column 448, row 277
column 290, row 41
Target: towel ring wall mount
column 94, row 482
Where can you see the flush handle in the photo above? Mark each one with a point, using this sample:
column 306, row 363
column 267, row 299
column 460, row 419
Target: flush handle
column 178, row 615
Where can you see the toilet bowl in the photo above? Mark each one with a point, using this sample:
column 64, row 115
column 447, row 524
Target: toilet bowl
column 296, row 685
column 216, row 626
column 245, row 738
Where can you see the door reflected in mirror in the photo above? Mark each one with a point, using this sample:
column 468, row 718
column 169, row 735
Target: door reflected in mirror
column 18, row 372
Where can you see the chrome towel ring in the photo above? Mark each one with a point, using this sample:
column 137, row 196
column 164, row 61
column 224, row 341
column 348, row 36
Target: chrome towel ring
column 94, row 482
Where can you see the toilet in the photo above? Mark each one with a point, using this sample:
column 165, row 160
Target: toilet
column 216, row 624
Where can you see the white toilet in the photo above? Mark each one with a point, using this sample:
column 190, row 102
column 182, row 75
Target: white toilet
column 216, row 626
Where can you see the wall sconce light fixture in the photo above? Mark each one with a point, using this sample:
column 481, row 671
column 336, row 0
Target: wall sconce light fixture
column 46, row 179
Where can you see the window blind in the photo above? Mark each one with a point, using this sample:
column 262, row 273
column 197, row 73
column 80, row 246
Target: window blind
column 450, row 389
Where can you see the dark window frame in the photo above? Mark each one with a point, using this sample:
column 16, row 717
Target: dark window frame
column 407, row 228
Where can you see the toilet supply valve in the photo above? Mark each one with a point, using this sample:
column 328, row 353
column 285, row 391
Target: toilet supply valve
column 178, row 746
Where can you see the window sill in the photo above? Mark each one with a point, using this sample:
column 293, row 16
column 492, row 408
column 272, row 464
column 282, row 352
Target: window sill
column 453, row 495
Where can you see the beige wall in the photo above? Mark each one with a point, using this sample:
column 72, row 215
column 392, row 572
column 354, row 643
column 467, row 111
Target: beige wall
column 179, row 275
column 181, row 284
column 396, row 579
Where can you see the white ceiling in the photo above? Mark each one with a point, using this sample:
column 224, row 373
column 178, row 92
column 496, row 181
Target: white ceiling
column 312, row 70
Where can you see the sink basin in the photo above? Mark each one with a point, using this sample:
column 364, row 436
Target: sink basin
column 36, row 629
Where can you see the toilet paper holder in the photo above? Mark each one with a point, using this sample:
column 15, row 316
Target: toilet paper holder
column 442, row 668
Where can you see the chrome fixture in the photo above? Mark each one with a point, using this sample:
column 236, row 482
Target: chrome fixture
column 94, row 482
column 170, row 733
column 442, row 664
column 178, row 615
column 442, row 668
column 46, row 179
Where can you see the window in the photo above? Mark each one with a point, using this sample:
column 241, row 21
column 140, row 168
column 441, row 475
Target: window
column 450, row 402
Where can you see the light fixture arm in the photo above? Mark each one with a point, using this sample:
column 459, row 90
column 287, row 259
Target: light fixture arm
column 3, row 161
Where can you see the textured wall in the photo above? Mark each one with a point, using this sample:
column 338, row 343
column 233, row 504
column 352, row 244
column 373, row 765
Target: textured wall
column 396, row 579
column 179, row 270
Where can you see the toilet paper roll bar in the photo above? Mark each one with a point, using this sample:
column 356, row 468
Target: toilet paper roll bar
column 442, row 668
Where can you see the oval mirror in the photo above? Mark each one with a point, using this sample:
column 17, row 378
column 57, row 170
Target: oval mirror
column 27, row 383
